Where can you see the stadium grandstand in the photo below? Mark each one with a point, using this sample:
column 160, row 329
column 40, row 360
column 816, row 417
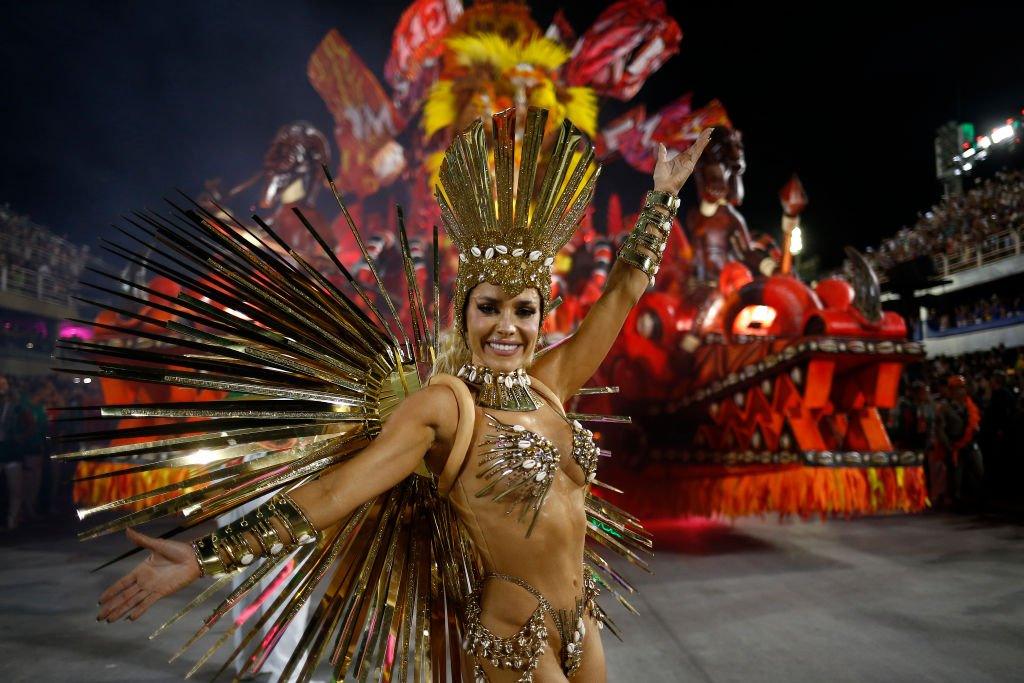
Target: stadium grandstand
column 39, row 272
column 957, row 273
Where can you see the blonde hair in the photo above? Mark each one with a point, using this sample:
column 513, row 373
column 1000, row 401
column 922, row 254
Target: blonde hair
column 452, row 353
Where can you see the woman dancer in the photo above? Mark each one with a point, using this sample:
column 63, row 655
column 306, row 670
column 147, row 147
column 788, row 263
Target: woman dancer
column 489, row 425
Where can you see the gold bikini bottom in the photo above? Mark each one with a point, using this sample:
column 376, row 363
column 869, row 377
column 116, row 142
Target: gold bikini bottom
column 522, row 650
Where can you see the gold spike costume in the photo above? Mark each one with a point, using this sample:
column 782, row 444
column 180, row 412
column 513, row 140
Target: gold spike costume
column 316, row 375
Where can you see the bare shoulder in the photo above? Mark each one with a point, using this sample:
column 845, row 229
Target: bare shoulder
column 433, row 405
column 438, row 407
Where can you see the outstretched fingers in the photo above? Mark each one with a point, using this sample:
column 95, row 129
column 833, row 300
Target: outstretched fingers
column 141, row 608
column 128, row 605
column 110, row 606
column 123, row 583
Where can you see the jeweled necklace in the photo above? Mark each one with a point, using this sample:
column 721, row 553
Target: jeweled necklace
column 504, row 391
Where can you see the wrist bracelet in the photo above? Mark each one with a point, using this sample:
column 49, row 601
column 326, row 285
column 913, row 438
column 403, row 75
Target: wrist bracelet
column 210, row 562
column 662, row 200
column 651, row 218
column 227, row 549
column 645, row 245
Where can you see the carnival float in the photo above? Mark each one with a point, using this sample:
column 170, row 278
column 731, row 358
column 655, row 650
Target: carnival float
column 750, row 391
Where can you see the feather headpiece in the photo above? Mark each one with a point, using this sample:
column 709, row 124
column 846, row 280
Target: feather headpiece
column 507, row 219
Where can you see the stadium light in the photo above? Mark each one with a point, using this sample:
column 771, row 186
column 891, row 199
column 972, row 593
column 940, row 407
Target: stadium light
column 1002, row 133
column 796, row 241
column 968, row 153
column 984, row 142
column 968, row 166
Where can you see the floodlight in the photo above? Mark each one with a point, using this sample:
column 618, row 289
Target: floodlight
column 1002, row 133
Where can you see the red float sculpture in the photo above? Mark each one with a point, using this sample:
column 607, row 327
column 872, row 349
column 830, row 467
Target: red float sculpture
column 755, row 392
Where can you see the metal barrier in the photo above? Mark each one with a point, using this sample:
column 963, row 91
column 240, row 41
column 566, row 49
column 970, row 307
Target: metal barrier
column 35, row 284
column 993, row 248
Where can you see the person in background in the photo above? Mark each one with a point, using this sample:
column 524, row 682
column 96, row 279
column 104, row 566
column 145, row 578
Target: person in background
column 30, row 425
column 912, row 425
column 957, row 422
column 996, row 429
column 10, row 458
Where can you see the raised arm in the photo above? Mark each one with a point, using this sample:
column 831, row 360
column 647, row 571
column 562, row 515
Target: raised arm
column 567, row 367
column 421, row 426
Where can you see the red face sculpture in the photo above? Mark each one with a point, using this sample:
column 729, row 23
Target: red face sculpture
column 719, row 173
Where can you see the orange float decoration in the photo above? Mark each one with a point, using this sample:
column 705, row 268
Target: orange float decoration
column 97, row 483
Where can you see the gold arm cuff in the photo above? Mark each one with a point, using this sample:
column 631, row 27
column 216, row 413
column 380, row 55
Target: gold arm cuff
column 644, row 262
column 656, row 243
column 227, row 549
column 663, row 200
column 294, row 519
column 268, row 536
column 210, row 562
column 653, row 219
column 233, row 540
column 645, row 245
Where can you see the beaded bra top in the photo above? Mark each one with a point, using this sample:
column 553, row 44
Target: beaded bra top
column 519, row 465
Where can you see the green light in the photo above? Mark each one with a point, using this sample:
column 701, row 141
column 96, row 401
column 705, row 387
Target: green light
column 965, row 133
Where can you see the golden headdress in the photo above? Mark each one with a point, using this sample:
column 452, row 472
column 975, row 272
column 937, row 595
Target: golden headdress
column 507, row 226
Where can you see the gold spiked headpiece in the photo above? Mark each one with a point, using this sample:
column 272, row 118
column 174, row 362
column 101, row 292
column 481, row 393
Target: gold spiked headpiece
column 507, row 223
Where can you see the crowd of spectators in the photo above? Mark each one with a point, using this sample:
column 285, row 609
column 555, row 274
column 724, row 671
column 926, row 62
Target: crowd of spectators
column 34, row 259
column 982, row 310
column 36, row 486
column 972, row 453
column 958, row 225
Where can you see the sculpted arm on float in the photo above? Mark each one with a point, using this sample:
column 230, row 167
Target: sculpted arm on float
column 426, row 418
column 568, row 367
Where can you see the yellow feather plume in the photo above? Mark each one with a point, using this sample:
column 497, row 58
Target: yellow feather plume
column 439, row 110
column 483, row 48
column 581, row 108
column 543, row 52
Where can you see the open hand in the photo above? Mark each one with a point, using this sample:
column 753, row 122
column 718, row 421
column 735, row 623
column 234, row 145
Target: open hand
column 671, row 172
column 171, row 566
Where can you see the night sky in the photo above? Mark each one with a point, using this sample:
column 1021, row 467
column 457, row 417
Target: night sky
column 109, row 106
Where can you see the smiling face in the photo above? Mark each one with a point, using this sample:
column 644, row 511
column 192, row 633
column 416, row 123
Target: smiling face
column 501, row 330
